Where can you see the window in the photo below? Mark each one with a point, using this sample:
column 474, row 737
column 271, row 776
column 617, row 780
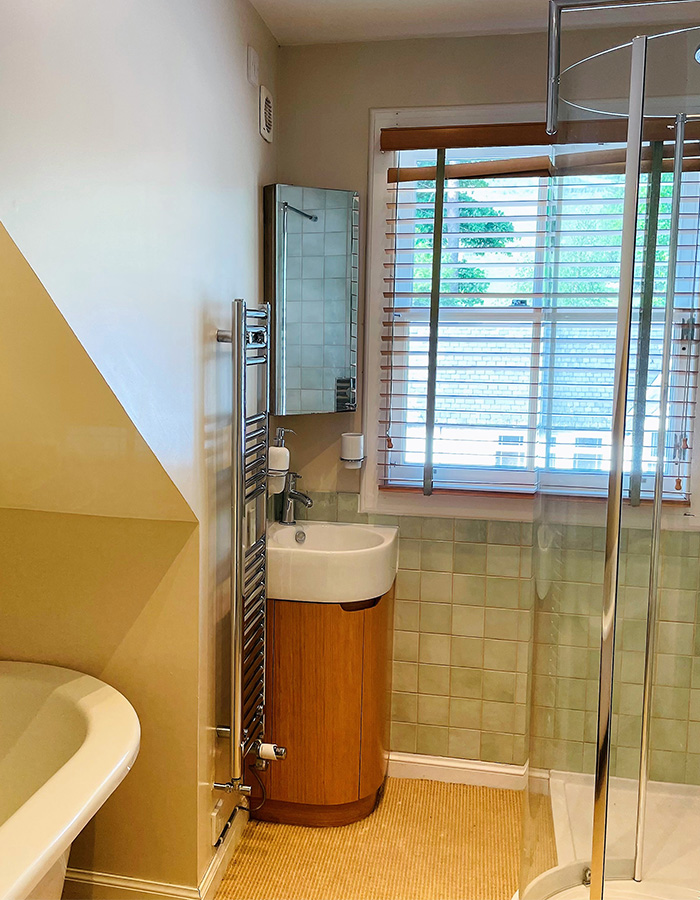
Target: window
column 589, row 461
column 510, row 450
column 518, row 363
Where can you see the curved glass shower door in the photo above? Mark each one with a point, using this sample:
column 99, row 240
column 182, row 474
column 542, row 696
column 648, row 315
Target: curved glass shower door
column 615, row 686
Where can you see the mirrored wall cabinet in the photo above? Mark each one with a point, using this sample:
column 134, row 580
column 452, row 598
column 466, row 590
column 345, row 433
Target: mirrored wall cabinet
column 311, row 271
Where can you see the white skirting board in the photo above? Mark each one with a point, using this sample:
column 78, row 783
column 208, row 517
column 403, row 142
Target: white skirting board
column 102, row 886
column 458, row 771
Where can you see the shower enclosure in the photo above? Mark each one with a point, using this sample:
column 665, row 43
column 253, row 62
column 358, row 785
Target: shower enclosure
column 614, row 697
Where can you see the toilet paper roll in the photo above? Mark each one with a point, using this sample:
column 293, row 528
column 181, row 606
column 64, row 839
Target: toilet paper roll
column 277, row 468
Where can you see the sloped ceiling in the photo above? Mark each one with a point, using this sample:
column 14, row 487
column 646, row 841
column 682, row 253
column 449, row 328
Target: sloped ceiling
column 66, row 443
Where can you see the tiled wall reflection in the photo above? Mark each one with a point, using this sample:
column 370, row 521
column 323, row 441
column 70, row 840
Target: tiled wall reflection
column 319, row 270
column 466, row 637
column 566, row 656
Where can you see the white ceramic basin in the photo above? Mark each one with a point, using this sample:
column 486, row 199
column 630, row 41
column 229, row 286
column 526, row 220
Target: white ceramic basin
column 336, row 563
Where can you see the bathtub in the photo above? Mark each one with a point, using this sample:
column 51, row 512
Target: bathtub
column 66, row 741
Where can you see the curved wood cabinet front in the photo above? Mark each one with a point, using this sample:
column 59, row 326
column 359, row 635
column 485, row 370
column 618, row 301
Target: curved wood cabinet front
column 328, row 688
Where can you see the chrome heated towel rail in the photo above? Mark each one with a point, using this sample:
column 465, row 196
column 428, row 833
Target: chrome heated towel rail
column 250, row 344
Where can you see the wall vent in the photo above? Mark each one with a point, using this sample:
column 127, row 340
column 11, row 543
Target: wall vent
column 267, row 114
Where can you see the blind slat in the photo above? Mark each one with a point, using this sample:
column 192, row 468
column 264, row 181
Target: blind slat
column 526, row 329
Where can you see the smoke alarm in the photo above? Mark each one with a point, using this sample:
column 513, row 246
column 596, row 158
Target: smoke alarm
column 267, row 118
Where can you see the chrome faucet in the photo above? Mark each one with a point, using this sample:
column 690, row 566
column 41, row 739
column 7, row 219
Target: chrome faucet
column 290, row 495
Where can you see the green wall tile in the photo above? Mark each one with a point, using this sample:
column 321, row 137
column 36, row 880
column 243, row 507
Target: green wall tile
column 503, row 592
column 433, row 679
column 503, row 533
column 501, row 623
column 676, row 637
column 497, row 747
column 469, row 589
column 466, row 682
column 436, row 556
column 497, row 716
column 410, row 526
column 406, row 646
column 435, row 617
column 465, row 713
column 409, row 554
column 404, row 707
column 499, row 686
column 470, row 559
column 467, row 652
column 673, row 671
column 405, row 676
column 435, row 648
column 502, row 560
column 432, row 740
column 436, row 586
column 670, row 702
column 464, row 744
column 471, row 530
column 403, row 737
column 437, row 529
column 406, row 615
column 677, row 605
column 325, row 508
column 692, row 768
column 468, row 621
column 667, row 766
column 500, row 655
column 678, row 572
column 408, row 584
column 433, row 710
column 694, row 737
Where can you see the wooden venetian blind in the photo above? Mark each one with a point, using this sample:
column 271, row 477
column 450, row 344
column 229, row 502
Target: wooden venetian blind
column 508, row 377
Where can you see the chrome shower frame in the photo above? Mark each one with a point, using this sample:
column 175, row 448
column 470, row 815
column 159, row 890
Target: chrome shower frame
column 635, row 118
column 556, row 8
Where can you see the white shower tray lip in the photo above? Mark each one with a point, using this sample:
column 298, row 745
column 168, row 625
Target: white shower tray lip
column 337, row 562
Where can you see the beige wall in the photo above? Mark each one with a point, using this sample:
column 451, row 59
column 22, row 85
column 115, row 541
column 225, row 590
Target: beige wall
column 131, row 177
column 325, row 97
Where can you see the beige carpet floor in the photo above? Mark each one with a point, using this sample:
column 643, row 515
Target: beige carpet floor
column 425, row 841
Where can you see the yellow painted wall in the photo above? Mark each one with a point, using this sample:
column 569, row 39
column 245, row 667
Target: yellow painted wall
column 116, row 598
column 99, row 571
column 131, row 185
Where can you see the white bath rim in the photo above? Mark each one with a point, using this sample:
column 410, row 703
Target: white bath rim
column 37, row 834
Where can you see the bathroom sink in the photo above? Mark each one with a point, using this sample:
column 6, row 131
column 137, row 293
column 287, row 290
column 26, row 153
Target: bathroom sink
column 330, row 562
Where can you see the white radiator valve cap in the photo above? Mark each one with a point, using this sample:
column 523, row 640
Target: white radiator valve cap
column 271, row 751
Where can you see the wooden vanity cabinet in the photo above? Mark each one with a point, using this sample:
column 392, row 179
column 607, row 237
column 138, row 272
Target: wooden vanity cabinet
column 328, row 689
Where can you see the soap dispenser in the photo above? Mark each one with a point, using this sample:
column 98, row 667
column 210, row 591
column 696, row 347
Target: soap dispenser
column 278, row 462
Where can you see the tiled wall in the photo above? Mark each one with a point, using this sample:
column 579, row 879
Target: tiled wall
column 466, row 637
column 462, row 632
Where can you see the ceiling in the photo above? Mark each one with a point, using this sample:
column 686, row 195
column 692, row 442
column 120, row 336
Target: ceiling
column 333, row 21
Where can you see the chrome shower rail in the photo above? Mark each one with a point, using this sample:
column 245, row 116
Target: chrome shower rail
column 556, row 7
column 250, row 340
column 615, row 478
column 654, row 564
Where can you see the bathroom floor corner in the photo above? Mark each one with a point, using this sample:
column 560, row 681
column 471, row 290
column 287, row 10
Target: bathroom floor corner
column 426, row 840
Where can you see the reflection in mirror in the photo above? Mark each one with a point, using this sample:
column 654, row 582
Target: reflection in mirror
column 311, row 268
